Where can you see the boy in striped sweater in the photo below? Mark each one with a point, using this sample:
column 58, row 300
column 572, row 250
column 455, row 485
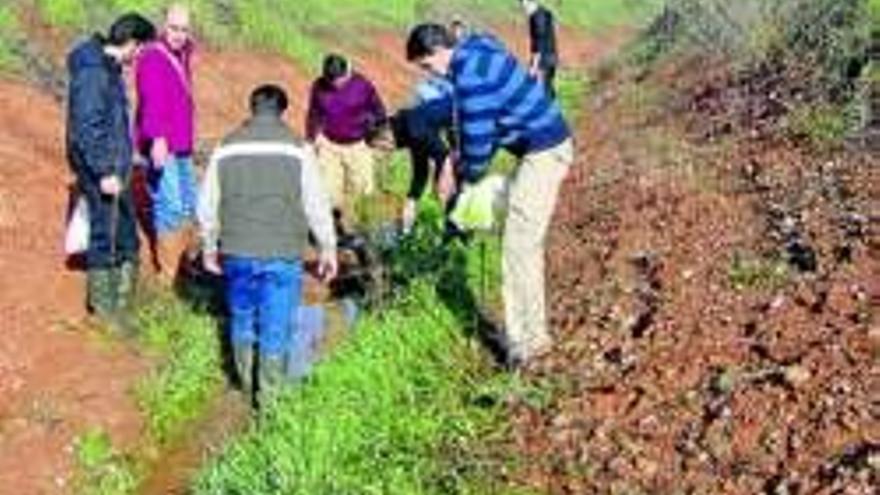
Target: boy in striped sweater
column 498, row 104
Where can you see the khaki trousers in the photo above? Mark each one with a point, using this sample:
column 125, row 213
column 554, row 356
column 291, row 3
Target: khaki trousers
column 531, row 202
column 347, row 171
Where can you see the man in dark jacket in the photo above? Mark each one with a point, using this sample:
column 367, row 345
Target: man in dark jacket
column 418, row 129
column 542, row 40
column 99, row 147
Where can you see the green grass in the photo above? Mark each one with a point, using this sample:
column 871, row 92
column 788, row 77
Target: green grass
column 101, row 470
column 303, row 30
column 187, row 345
column 396, row 410
column 63, row 12
column 750, row 272
column 597, row 15
column 8, row 33
column 823, row 126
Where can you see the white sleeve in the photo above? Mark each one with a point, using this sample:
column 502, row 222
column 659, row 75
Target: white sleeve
column 209, row 206
column 316, row 203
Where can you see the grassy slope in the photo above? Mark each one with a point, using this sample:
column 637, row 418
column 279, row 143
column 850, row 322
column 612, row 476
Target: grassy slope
column 379, row 417
column 297, row 28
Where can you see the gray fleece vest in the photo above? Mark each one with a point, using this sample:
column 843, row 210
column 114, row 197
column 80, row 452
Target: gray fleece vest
column 261, row 209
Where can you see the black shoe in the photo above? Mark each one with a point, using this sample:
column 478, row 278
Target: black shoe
column 451, row 233
column 512, row 362
column 351, row 242
column 494, row 338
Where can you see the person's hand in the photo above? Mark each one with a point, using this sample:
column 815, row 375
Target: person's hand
column 408, row 218
column 446, row 182
column 159, row 152
column 328, row 266
column 111, row 185
column 211, row 263
column 537, row 73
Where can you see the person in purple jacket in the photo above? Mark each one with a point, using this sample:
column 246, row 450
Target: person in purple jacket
column 342, row 108
column 165, row 133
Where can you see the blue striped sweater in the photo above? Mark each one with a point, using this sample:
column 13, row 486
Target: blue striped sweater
column 499, row 105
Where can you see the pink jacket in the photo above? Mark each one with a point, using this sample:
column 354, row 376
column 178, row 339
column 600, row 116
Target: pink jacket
column 166, row 107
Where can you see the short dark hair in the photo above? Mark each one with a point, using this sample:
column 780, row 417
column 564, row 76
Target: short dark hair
column 335, row 66
column 268, row 98
column 425, row 39
column 131, row 27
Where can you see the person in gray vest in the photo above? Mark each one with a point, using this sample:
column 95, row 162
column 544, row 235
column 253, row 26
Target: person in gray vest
column 261, row 196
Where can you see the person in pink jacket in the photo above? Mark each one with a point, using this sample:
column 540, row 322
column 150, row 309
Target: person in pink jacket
column 165, row 134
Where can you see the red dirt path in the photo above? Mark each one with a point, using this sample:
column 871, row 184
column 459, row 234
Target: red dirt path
column 55, row 380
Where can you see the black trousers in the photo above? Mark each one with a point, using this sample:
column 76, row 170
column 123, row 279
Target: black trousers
column 549, row 77
column 113, row 237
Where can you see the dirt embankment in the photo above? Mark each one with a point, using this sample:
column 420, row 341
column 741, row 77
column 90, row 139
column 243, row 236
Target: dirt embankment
column 715, row 298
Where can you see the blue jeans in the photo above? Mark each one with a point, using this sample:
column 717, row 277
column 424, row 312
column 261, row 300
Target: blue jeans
column 262, row 296
column 173, row 194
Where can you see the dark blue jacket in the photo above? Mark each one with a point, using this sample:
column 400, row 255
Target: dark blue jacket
column 420, row 129
column 499, row 105
column 542, row 37
column 98, row 130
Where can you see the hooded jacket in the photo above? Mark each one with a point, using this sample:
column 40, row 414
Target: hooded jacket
column 98, row 131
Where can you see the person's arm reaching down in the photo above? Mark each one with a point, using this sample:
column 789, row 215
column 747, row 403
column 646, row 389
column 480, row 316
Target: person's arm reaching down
column 209, row 215
column 316, row 204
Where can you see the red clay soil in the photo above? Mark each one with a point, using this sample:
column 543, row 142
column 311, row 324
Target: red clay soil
column 679, row 369
column 56, row 379
column 225, row 80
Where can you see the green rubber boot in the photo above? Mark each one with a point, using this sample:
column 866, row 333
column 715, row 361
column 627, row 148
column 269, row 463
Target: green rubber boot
column 243, row 358
column 126, row 279
column 101, row 296
column 270, row 379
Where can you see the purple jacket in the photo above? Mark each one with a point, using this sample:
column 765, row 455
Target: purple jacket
column 165, row 100
column 343, row 115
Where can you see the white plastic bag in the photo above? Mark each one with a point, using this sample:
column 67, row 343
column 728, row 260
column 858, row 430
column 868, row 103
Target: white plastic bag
column 76, row 239
column 480, row 205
